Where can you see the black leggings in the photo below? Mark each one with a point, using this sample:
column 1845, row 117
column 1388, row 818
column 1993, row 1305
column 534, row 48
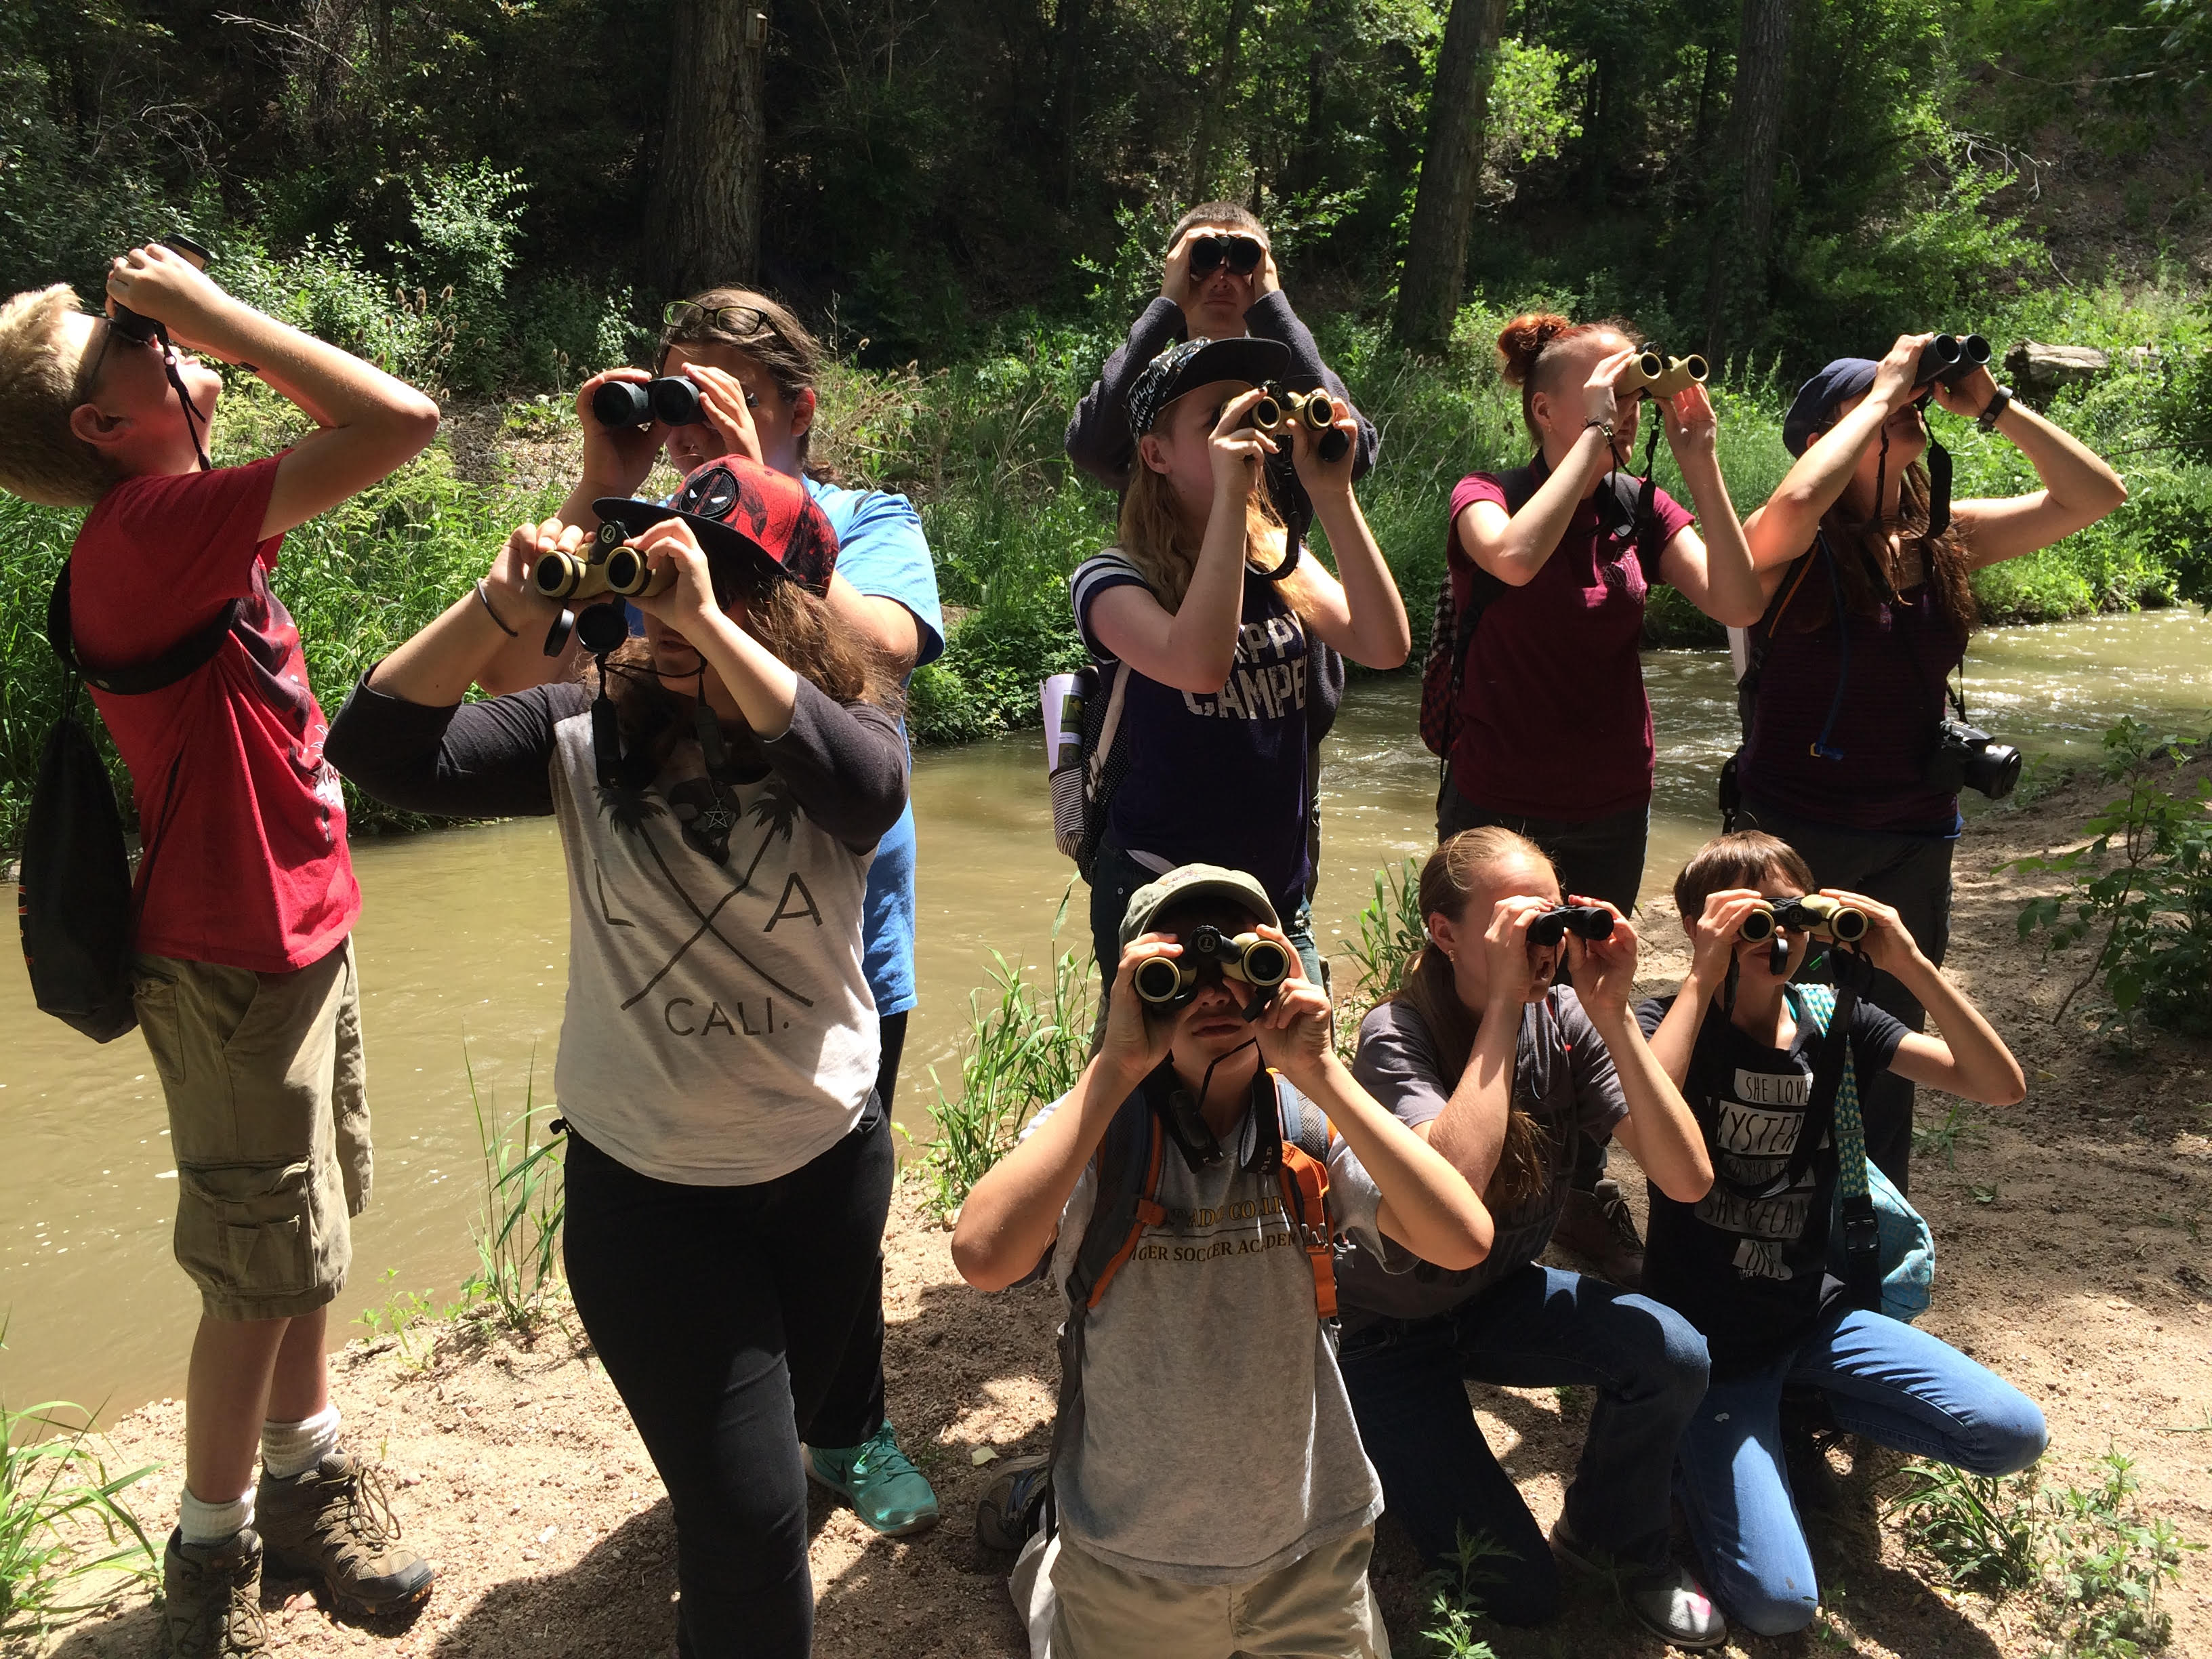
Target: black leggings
column 720, row 1313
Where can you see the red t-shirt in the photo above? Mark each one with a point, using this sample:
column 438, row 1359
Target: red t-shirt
column 1553, row 719
column 249, row 867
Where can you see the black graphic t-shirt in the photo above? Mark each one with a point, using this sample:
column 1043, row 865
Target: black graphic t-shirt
column 1218, row 777
column 1751, row 1272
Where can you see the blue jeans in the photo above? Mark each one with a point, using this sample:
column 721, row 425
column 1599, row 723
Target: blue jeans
column 1885, row 1382
column 1535, row 1328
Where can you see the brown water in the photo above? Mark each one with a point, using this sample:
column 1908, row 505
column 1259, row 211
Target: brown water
column 462, row 944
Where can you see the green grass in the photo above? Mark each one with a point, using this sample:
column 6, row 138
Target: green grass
column 517, row 1232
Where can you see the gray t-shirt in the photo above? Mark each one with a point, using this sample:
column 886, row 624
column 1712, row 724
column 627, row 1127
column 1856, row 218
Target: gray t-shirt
column 1563, row 1077
column 1217, row 1442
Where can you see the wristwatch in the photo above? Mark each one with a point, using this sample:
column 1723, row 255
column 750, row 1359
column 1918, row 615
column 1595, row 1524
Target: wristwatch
column 2000, row 400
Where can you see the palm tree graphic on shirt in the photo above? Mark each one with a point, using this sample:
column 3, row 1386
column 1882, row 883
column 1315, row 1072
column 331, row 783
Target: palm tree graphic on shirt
column 634, row 810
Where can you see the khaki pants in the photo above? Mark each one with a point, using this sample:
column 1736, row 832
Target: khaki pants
column 1319, row 1606
column 268, row 1122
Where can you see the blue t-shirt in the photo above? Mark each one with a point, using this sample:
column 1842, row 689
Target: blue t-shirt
column 1217, row 779
column 881, row 551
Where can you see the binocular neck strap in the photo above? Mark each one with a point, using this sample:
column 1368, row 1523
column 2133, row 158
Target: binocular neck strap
column 606, row 733
column 193, row 424
column 1823, row 749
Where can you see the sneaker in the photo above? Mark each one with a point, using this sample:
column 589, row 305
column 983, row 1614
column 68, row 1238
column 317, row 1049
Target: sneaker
column 211, row 1599
column 1012, row 1507
column 879, row 1480
column 1668, row 1601
column 1596, row 1226
column 334, row 1523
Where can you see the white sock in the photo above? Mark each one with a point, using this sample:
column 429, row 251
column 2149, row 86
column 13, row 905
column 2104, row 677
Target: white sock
column 214, row 1523
column 293, row 1449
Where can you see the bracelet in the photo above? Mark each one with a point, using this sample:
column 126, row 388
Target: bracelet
column 485, row 599
column 1606, row 427
column 1999, row 401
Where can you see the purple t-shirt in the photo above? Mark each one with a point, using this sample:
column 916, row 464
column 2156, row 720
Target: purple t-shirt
column 1553, row 719
column 1218, row 778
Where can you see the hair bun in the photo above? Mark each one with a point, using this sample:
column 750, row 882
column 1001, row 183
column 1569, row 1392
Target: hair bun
column 1523, row 339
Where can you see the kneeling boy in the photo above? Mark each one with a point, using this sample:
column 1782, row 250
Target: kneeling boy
column 1212, row 1494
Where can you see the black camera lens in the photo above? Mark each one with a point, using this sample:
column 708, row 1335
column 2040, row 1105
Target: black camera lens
column 676, row 400
column 1994, row 768
column 622, row 403
column 1159, row 980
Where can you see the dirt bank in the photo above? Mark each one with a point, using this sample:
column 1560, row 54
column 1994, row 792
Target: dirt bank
column 2070, row 1258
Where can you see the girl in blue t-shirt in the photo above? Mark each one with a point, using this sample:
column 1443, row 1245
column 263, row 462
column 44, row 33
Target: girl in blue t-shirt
column 1215, row 617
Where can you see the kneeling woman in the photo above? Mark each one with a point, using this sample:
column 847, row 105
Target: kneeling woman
column 728, row 1168
column 1499, row 1070
column 1749, row 1265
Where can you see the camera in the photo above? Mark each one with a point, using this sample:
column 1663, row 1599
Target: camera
column 1949, row 357
column 1170, row 982
column 1658, row 375
column 130, row 323
column 1587, row 922
column 671, row 399
column 1279, row 410
column 1965, row 755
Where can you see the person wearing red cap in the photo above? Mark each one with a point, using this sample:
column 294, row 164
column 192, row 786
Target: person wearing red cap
column 720, row 793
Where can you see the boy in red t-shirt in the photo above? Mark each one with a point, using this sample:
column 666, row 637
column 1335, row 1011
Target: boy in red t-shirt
column 244, row 973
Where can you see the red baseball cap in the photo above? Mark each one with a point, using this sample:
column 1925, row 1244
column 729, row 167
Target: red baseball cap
column 742, row 511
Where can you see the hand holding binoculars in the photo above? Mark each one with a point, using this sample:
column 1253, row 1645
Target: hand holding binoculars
column 605, row 566
column 1653, row 373
column 1950, row 358
column 1584, row 922
column 1279, row 411
column 671, row 399
column 1169, row 983
column 1815, row 915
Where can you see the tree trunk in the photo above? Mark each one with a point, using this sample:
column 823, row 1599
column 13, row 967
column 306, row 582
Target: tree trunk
column 1073, row 17
column 1214, row 115
column 704, row 220
column 1451, row 176
column 1739, row 261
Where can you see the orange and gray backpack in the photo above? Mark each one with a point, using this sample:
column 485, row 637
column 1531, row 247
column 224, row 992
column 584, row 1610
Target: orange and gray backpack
column 1290, row 1144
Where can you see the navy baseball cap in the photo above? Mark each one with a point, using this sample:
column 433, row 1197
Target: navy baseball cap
column 1844, row 378
column 1190, row 363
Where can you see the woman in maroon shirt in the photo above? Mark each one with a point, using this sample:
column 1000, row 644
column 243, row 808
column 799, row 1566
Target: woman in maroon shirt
column 1868, row 615
column 1552, row 729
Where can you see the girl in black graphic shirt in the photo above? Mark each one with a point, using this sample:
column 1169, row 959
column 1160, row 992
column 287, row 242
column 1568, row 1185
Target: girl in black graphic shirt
column 1750, row 1272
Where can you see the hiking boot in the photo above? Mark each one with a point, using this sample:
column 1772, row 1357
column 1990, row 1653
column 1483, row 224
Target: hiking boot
column 334, row 1523
column 1013, row 1506
column 880, row 1481
column 1666, row 1601
column 1596, row 1226
column 211, row 1599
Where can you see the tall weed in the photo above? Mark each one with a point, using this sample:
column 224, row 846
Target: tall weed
column 517, row 1232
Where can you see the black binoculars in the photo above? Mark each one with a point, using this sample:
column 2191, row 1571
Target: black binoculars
column 1588, row 921
column 671, row 399
column 1170, row 982
column 1279, row 410
column 1816, row 915
column 130, row 323
column 1657, row 375
column 1950, row 357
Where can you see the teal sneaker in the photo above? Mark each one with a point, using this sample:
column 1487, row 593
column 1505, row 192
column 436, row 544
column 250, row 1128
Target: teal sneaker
column 880, row 1481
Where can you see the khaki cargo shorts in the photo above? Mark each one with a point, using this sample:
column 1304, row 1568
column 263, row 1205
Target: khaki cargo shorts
column 268, row 1122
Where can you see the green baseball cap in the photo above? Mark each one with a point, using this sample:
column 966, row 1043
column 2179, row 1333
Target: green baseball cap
column 1194, row 881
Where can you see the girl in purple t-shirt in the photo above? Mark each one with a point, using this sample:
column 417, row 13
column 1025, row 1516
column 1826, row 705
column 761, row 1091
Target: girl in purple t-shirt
column 1553, row 731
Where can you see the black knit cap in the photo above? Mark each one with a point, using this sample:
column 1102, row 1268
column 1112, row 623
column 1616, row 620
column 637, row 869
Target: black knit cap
column 1190, row 363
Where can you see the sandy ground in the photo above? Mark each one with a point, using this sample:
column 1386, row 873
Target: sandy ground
column 2069, row 1259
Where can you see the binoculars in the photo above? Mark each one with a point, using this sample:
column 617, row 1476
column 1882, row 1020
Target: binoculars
column 1657, row 375
column 605, row 567
column 1950, row 357
column 1279, row 411
column 1170, row 982
column 1587, row 922
column 1816, row 915
column 671, row 399
column 132, row 326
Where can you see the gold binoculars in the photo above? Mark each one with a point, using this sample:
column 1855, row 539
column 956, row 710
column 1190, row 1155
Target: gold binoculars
column 607, row 566
column 1656, row 374
column 1816, row 915
column 1172, row 981
column 1279, row 411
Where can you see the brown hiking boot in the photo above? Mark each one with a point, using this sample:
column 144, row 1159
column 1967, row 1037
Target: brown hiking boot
column 211, row 1599
column 334, row 1523
column 1597, row 1227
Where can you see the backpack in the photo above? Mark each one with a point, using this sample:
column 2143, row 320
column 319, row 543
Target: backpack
column 1443, row 665
column 1130, row 1158
column 76, row 901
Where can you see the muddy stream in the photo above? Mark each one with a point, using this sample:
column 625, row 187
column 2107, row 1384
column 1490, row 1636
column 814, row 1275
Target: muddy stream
column 462, row 945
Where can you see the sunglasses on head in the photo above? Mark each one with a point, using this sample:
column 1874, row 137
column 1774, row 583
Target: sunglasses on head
column 733, row 320
column 1242, row 254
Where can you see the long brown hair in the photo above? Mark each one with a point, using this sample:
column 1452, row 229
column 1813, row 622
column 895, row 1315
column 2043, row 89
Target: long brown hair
column 1151, row 536
column 1524, row 343
column 1453, row 872
column 1861, row 547
column 780, row 343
